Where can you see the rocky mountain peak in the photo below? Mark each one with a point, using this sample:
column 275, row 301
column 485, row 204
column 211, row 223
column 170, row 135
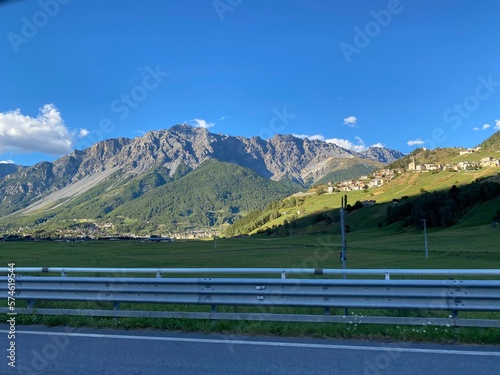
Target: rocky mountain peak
column 382, row 154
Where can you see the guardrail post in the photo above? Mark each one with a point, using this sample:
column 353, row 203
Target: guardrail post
column 387, row 275
column 158, row 274
column 213, row 309
column 327, row 311
column 30, row 305
column 63, row 273
column 116, row 305
column 283, row 275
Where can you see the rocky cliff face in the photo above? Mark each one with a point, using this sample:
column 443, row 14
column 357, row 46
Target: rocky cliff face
column 301, row 160
column 382, row 154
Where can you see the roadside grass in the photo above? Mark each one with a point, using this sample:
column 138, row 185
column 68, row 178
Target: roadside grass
column 415, row 333
column 421, row 333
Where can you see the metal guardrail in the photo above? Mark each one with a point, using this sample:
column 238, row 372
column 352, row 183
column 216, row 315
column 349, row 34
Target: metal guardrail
column 386, row 273
column 453, row 296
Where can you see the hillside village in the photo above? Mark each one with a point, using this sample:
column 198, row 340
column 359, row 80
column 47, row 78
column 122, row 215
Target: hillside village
column 485, row 162
column 383, row 176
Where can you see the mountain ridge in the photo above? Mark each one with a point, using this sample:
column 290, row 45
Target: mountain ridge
column 282, row 156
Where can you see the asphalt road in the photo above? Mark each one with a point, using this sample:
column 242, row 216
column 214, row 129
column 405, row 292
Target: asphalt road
column 59, row 350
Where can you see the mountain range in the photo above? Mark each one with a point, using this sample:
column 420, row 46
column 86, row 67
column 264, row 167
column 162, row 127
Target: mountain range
column 116, row 179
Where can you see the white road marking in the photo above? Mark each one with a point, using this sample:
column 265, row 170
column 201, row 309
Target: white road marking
column 267, row 343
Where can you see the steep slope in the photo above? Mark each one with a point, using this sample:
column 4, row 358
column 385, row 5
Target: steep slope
column 492, row 142
column 213, row 194
column 30, row 184
column 95, row 203
column 346, row 169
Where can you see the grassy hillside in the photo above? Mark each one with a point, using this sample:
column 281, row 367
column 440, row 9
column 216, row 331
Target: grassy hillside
column 490, row 147
column 492, row 142
column 347, row 169
column 213, row 194
column 97, row 202
column 312, row 213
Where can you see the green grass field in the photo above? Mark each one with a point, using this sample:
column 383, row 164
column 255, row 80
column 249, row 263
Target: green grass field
column 460, row 246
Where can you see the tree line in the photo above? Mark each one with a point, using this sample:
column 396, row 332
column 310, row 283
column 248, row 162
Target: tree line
column 442, row 208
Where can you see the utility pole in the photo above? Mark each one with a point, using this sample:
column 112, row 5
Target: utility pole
column 342, row 240
column 425, row 239
column 343, row 259
column 343, row 252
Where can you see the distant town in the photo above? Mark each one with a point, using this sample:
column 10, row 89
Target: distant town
column 104, row 231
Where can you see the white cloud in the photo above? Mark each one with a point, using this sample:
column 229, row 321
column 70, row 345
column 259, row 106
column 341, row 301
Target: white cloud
column 45, row 133
column 83, row 133
column 497, row 125
column 381, row 145
column 318, row 137
column 351, row 121
column 357, row 146
column 222, row 118
column 199, row 123
column 7, row 161
column 415, row 142
column 487, row 126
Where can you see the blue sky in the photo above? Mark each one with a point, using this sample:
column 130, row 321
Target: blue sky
column 357, row 73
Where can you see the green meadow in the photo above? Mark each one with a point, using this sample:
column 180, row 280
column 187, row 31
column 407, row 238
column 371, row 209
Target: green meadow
column 459, row 246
